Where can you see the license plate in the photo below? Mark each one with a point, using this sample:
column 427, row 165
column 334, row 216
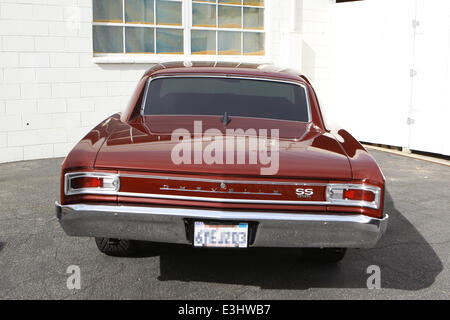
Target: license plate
column 220, row 236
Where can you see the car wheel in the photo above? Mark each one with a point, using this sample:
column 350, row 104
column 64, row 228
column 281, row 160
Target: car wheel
column 116, row 247
column 324, row 255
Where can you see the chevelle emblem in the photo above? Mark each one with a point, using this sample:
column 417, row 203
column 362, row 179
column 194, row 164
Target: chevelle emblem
column 223, row 190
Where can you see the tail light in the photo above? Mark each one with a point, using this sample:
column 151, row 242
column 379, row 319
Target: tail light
column 357, row 195
column 91, row 183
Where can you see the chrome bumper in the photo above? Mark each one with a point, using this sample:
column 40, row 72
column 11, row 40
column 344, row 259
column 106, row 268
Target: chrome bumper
column 168, row 225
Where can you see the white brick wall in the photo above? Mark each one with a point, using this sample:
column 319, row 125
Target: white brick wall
column 51, row 91
column 316, row 44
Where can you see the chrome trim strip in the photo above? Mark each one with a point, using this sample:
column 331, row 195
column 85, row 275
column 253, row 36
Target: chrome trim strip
column 223, row 200
column 307, row 97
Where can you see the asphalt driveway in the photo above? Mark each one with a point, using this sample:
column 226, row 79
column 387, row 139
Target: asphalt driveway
column 414, row 255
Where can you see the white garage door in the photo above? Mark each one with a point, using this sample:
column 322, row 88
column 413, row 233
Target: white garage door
column 430, row 109
column 375, row 48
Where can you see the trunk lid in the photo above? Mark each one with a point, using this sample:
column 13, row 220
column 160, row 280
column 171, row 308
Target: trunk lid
column 305, row 151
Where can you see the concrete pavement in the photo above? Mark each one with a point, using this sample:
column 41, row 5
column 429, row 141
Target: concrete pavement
column 414, row 255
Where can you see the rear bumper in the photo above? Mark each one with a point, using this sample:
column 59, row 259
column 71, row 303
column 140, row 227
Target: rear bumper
column 168, row 225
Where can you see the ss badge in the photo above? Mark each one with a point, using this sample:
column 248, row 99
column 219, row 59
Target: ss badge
column 304, row 193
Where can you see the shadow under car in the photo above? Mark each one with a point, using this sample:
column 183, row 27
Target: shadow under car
column 405, row 259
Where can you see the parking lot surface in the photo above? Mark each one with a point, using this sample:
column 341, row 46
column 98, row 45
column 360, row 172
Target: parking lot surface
column 413, row 256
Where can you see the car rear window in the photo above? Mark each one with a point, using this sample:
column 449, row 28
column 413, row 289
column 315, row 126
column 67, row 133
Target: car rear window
column 211, row 96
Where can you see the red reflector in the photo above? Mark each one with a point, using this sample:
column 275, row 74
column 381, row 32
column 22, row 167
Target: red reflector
column 355, row 194
column 86, row 182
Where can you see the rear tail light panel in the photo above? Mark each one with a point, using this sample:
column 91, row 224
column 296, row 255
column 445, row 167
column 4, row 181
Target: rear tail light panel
column 92, row 183
column 336, row 194
column 354, row 195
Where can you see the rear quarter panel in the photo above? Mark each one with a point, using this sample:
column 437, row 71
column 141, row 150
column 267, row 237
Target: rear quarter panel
column 364, row 170
column 84, row 154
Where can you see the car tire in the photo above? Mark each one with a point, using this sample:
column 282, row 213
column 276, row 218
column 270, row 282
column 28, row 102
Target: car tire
column 324, row 255
column 116, row 247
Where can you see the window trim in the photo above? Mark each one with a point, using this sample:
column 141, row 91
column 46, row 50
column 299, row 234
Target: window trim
column 186, row 26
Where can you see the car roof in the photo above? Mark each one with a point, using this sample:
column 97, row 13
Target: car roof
column 227, row 68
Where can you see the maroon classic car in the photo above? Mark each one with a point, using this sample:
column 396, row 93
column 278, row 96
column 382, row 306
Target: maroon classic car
column 222, row 155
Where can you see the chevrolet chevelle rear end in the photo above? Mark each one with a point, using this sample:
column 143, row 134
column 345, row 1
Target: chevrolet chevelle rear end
column 222, row 156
